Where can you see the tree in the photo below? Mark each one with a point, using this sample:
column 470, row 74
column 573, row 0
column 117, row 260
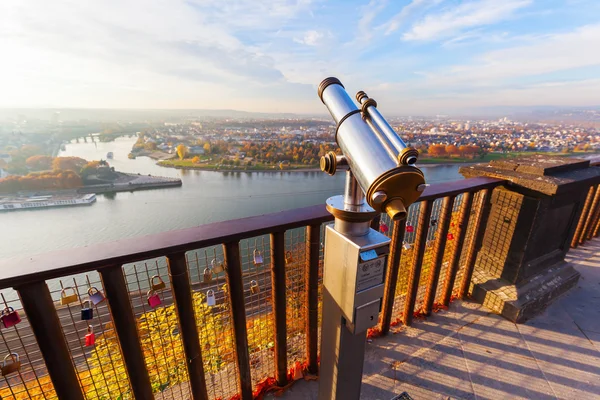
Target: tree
column 196, row 160
column 68, row 163
column 39, row 163
column 451, row 150
column 182, row 151
column 207, row 148
column 437, row 150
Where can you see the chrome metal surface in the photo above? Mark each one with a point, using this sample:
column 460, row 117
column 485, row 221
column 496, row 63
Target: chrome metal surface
column 379, row 197
column 352, row 228
column 389, row 148
column 384, row 127
column 353, row 194
column 422, row 187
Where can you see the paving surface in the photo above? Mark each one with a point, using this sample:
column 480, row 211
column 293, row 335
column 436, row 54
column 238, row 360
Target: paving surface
column 469, row 353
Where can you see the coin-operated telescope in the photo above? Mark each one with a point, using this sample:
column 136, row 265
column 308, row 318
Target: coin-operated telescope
column 380, row 177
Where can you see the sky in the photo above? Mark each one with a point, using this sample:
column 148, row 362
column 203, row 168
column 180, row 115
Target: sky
column 415, row 57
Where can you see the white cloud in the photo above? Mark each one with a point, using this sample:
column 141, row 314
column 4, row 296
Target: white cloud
column 464, row 16
column 395, row 22
column 540, row 55
column 369, row 12
column 310, row 38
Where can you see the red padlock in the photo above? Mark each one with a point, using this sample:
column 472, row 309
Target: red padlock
column 90, row 338
column 383, row 227
column 450, row 236
column 153, row 299
column 410, row 228
column 10, row 317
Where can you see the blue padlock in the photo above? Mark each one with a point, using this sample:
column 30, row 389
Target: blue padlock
column 87, row 312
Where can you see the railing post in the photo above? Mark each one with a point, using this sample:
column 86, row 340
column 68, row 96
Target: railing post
column 417, row 261
column 235, row 288
column 588, row 223
column 391, row 280
column 45, row 324
column 313, row 243
column 126, row 327
column 438, row 253
column 585, row 213
column 184, row 303
column 279, row 305
column 475, row 240
column 461, row 234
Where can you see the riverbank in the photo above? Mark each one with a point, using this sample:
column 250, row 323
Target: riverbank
column 225, row 168
column 130, row 182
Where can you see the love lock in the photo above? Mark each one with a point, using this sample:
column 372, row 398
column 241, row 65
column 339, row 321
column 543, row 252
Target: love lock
column 157, row 283
column 217, row 268
column 288, row 257
column 210, row 298
column 258, row 258
column 90, row 338
column 87, row 313
column 10, row 317
column 12, row 367
column 254, row 288
column 153, row 299
column 68, row 299
column 207, row 275
column 96, row 296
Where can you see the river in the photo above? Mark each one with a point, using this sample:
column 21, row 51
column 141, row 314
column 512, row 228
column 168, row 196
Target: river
column 204, row 197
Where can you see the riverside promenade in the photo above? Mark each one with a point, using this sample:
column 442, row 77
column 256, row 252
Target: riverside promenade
column 467, row 352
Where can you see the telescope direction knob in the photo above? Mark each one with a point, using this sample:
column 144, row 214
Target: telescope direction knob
column 360, row 95
column 328, row 163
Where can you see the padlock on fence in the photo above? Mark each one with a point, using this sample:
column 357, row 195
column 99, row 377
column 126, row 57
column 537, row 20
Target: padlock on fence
column 153, row 299
column 68, row 298
column 254, row 288
column 87, row 313
column 383, row 228
column 207, row 275
column 10, row 317
column 210, row 298
column 90, row 338
column 14, row 366
column 156, row 283
column 258, row 258
column 217, row 267
column 406, row 246
column 288, row 257
column 96, row 296
column 410, row 228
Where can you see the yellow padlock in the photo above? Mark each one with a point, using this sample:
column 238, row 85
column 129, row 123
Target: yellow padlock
column 157, row 283
column 254, row 288
column 68, row 298
column 288, row 257
column 207, row 275
column 12, row 367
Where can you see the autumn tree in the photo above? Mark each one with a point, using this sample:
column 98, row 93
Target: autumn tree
column 207, row 148
column 182, row 151
column 39, row 163
column 196, row 160
column 68, row 163
column 437, row 150
column 451, row 150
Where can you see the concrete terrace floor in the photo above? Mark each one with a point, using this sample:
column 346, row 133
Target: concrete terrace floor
column 468, row 353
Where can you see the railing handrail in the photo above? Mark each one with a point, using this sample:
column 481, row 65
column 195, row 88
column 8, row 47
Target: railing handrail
column 21, row 270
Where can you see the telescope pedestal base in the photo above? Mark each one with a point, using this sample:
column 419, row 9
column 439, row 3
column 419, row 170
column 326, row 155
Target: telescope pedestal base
column 342, row 355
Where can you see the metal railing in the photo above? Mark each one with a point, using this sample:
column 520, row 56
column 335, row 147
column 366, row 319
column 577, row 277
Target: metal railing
column 212, row 332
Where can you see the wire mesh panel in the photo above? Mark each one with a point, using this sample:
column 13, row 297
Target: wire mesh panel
column 87, row 325
column 452, row 237
column 296, row 316
column 469, row 238
column 30, row 380
column 405, row 262
column 212, row 310
column 158, row 328
column 321, row 264
column 427, row 264
column 256, row 258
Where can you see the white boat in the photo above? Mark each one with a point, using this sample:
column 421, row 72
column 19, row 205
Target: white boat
column 12, row 203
